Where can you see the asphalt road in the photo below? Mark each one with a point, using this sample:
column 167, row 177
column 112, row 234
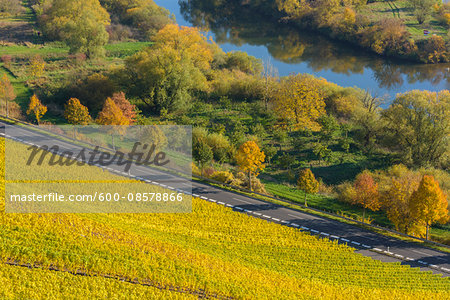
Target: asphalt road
column 366, row 242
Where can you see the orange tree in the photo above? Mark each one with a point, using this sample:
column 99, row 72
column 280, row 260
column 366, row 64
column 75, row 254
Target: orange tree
column 429, row 203
column 366, row 193
column 307, row 183
column 250, row 159
column 112, row 115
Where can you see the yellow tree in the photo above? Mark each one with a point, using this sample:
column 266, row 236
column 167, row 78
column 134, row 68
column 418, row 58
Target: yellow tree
column 366, row 193
column 307, row 183
column 429, row 204
column 112, row 115
column 397, row 201
column 36, row 67
column 299, row 101
column 36, row 108
column 6, row 91
column 250, row 159
column 76, row 113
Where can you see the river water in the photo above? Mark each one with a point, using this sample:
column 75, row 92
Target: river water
column 291, row 50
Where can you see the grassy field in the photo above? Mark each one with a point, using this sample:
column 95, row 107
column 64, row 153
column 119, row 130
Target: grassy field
column 401, row 9
column 201, row 251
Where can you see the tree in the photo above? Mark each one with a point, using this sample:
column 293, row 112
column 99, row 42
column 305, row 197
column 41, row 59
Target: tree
column 418, row 126
column 397, row 201
column 307, row 183
column 299, row 101
column 366, row 193
column 6, row 92
column 36, row 67
column 429, row 204
column 250, row 159
column 36, row 108
column 128, row 109
column 81, row 24
column 112, row 115
column 422, row 9
column 76, row 113
column 166, row 74
column 155, row 135
column 202, row 153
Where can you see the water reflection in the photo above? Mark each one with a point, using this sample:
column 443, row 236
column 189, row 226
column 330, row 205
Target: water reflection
column 234, row 23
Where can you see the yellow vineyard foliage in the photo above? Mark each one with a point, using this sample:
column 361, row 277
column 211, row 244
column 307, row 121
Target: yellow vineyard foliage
column 212, row 248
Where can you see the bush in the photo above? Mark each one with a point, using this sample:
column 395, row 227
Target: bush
column 223, row 176
column 11, row 7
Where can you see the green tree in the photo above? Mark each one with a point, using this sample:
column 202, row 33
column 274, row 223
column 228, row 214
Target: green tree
column 81, row 24
column 307, row 183
column 166, row 74
column 202, row 154
column 422, row 9
column 418, row 126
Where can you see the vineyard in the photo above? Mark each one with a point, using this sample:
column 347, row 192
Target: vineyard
column 212, row 251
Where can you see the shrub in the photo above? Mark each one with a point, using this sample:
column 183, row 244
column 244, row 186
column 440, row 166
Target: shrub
column 223, row 176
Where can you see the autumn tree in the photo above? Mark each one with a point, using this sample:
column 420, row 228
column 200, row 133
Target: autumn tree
column 429, row 204
column 397, row 200
column 6, row 92
column 154, row 136
column 36, row 67
column 418, row 126
column 166, row 74
column 112, row 115
column 76, row 113
column 299, row 101
column 81, row 24
column 36, row 109
column 250, row 159
column 307, row 183
column 128, row 109
column 366, row 193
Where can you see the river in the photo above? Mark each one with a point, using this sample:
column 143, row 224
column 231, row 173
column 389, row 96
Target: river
column 291, row 50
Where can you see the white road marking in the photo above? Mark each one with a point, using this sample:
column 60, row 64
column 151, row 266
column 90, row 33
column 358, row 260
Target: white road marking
column 434, row 266
column 356, row 243
column 275, row 219
column 325, row 234
column 203, row 197
column 409, row 258
column 246, row 210
column 239, row 208
column 304, row 228
column 295, row 225
column 220, row 202
column 345, row 240
column 195, row 195
column 335, row 237
column 445, row 269
column 258, row 214
column 242, row 200
column 398, row 255
column 266, row 216
column 420, row 252
column 212, row 200
column 422, row 262
column 229, row 205
column 285, row 222
column 315, row 231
